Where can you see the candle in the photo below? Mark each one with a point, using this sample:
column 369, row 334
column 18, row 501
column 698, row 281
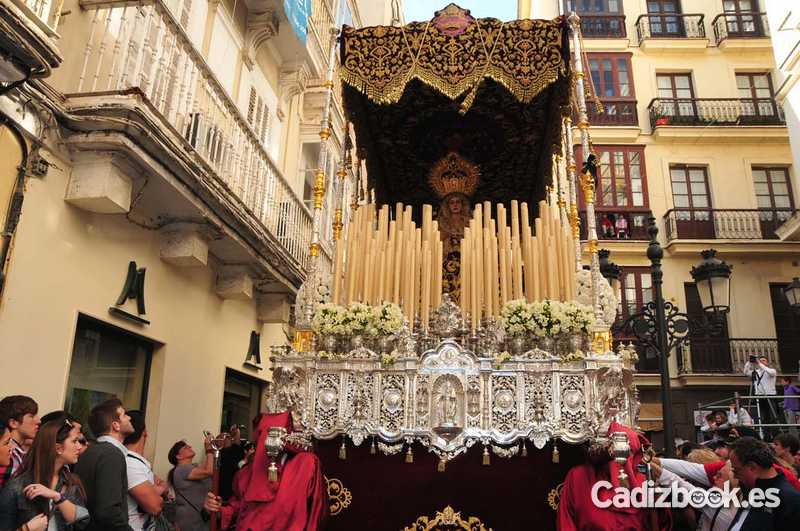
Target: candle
column 426, row 283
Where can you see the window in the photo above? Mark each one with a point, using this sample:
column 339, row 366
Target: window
column 676, row 95
column 692, row 200
column 107, row 362
column 774, row 197
column 621, row 177
column 741, row 19
column 637, row 291
column 613, row 83
column 588, row 7
column 662, row 24
column 258, row 116
column 241, row 401
column 755, row 92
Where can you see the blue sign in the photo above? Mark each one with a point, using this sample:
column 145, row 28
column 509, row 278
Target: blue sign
column 298, row 12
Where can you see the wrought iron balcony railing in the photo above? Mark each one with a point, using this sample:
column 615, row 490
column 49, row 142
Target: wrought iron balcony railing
column 725, row 355
column 149, row 52
column 715, row 111
column 603, row 26
column 614, row 113
column 744, row 25
column 715, row 223
column 670, row 26
column 620, row 225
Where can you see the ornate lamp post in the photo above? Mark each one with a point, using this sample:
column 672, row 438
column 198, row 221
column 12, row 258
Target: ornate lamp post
column 713, row 278
column 660, row 327
column 792, row 294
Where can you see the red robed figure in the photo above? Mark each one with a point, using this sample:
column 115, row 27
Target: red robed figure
column 576, row 512
column 298, row 501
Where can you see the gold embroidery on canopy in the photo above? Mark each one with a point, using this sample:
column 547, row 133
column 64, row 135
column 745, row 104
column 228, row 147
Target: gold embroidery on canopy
column 448, row 518
column 524, row 56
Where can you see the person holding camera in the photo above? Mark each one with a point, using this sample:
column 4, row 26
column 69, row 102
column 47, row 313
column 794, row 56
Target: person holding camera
column 763, row 378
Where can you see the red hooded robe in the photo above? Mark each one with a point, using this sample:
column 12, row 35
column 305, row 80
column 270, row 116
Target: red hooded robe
column 298, row 501
column 576, row 512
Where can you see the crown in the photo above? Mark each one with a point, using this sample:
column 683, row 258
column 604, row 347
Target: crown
column 453, row 173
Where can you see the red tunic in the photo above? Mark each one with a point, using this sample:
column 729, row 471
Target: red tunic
column 576, row 512
column 297, row 502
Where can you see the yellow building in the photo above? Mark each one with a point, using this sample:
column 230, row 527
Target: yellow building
column 688, row 130
column 167, row 154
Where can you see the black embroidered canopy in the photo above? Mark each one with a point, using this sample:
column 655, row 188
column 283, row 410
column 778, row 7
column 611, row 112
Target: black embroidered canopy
column 491, row 91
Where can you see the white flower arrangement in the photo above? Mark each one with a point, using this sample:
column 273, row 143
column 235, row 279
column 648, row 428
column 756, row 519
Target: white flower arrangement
column 545, row 318
column 357, row 319
column 389, row 319
column 331, row 320
column 608, row 300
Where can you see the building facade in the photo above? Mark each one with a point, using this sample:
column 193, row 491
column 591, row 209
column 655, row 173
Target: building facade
column 157, row 171
column 690, row 127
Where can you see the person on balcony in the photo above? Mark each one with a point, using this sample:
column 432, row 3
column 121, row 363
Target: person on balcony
column 607, row 225
column 763, row 379
column 621, row 226
column 791, row 404
column 295, row 500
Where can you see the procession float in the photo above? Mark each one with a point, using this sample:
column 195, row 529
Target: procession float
column 453, row 357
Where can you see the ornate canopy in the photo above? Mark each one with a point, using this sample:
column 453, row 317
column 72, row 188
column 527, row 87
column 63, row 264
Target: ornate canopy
column 488, row 90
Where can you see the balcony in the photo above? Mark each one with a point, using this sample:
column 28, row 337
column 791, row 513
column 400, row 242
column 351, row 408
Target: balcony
column 603, row 26
column 609, row 228
column 614, row 113
column 149, row 71
column 725, row 355
column 740, row 27
column 28, row 42
column 714, row 112
column 671, row 32
column 722, row 224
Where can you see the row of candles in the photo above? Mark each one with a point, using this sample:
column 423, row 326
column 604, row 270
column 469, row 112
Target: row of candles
column 500, row 263
column 385, row 258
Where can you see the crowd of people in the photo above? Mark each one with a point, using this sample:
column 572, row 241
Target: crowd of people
column 52, row 478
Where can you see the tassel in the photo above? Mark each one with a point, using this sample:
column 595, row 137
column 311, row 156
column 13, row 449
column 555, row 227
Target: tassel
column 272, row 472
column 556, row 456
column 372, row 449
column 524, row 449
column 486, row 458
column 409, row 455
column 442, row 465
column 343, row 451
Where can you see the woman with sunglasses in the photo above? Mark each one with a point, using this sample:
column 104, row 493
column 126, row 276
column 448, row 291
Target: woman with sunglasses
column 44, row 495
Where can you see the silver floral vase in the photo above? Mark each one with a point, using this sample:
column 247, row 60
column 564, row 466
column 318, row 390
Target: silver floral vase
column 385, row 344
column 548, row 344
column 356, row 341
column 518, row 344
column 329, row 343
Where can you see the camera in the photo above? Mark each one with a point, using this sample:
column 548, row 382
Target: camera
column 752, row 359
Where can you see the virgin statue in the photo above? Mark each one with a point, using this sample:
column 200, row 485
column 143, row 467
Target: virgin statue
column 454, row 215
column 454, row 179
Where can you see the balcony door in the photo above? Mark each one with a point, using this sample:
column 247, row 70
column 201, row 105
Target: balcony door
column 757, row 98
column 709, row 353
column 787, row 330
column 692, row 200
column 676, row 95
column 664, row 21
column 741, row 19
column 637, row 292
column 774, row 196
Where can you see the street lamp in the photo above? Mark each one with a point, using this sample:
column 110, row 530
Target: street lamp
column 792, row 293
column 713, row 279
column 660, row 327
column 610, row 271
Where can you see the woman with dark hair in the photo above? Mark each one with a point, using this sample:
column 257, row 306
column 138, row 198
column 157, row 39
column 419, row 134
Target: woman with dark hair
column 43, row 494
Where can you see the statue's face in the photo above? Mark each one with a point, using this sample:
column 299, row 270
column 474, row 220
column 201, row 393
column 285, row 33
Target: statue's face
column 454, row 204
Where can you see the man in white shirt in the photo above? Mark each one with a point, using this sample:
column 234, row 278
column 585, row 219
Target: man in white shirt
column 763, row 377
column 145, row 490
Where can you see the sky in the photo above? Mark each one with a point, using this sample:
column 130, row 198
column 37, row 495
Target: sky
column 423, row 9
